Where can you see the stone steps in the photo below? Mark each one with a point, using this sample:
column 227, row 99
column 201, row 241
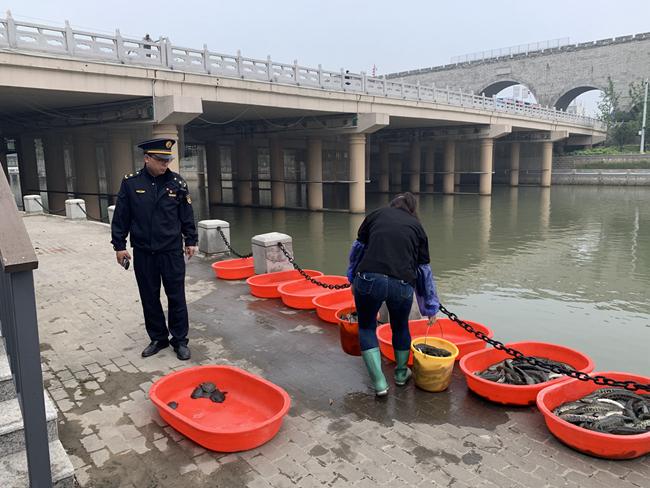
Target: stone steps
column 13, row 457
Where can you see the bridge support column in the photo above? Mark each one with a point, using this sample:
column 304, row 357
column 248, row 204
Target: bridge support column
column 429, row 167
column 213, row 160
column 121, row 158
column 515, row 149
column 87, row 180
column 169, row 131
column 415, row 166
column 276, row 153
column 55, row 173
column 485, row 180
column 384, row 167
column 396, row 174
column 244, row 173
column 450, row 163
column 315, row 173
column 547, row 163
column 357, row 186
column 27, row 165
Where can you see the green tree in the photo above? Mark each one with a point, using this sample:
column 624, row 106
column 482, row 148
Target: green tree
column 608, row 105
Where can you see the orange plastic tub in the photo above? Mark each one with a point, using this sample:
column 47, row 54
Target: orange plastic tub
column 443, row 328
column 251, row 414
column 328, row 304
column 234, row 269
column 599, row 444
column 349, row 332
column 266, row 285
column 519, row 394
column 300, row 293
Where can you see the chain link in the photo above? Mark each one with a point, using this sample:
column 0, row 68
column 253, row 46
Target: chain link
column 553, row 368
column 306, row 276
column 225, row 241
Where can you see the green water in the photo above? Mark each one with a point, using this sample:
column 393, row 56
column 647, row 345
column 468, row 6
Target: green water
column 568, row 265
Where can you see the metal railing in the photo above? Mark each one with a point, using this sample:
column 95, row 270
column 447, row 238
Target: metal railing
column 511, row 50
column 20, row 330
column 25, row 36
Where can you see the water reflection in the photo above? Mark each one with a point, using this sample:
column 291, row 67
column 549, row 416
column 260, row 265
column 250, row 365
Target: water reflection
column 565, row 264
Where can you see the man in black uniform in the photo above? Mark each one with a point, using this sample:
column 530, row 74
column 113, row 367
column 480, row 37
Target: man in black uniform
column 155, row 208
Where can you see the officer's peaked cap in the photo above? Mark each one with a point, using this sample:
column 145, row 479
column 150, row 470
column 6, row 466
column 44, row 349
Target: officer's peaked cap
column 160, row 148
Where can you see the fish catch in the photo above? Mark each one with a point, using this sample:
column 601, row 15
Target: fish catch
column 609, row 410
column 436, row 352
column 519, row 372
column 351, row 317
column 209, row 390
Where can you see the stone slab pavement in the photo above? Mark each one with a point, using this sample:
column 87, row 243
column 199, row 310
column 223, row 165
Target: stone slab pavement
column 336, row 433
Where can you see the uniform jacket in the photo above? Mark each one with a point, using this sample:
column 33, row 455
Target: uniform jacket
column 156, row 212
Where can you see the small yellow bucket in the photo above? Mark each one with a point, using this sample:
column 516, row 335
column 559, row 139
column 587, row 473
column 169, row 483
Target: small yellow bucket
column 433, row 373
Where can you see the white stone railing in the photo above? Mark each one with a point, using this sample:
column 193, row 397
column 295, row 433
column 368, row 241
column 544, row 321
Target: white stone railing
column 511, row 50
column 24, row 36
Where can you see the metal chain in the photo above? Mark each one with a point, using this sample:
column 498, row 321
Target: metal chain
column 554, row 368
column 223, row 236
column 86, row 214
column 306, row 276
column 48, row 210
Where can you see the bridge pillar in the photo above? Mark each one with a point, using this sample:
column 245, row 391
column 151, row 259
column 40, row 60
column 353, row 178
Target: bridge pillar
column 429, row 167
column 121, row 157
column 450, row 163
column 85, row 163
column 396, row 173
column 415, row 166
column 213, row 160
column 315, row 173
column 55, row 173
column 384, row 167
column 357, row 186
column 547, row 163
column 485, row 180
column 244, row 172
column 276, row 153
column 515, row 149
column 168, row 131
column 27, row 165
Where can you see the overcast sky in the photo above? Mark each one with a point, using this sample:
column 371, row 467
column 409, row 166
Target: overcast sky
column 394, row 35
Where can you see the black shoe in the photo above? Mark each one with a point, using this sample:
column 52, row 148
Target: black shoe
column 154, row 348
column 182, row 352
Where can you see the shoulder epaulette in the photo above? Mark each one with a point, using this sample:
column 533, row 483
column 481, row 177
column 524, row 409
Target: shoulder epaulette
column 131, row 175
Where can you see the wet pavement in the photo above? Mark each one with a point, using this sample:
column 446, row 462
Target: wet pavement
column 336, row 433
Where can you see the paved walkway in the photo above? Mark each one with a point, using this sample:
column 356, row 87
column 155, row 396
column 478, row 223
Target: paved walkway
column 336, row 433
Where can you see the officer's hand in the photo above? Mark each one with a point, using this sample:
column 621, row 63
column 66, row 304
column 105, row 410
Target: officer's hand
column 120, row 255
column 191, row 251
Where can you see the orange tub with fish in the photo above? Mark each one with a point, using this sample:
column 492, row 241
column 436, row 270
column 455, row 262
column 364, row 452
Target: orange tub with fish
column 300, row 294
column 443, row 329
column 250, row 415
column 329, row 303
column 599, row 444
column 518, row 394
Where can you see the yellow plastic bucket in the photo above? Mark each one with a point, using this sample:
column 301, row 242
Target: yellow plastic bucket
column 433, row 373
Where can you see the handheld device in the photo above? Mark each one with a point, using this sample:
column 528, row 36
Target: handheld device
column 125, row 263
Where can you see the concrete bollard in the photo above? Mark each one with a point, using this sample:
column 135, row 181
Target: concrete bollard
column 210, row 241
column 267, row 256
column 75, row 209
column 33, row 204
column 111, row 211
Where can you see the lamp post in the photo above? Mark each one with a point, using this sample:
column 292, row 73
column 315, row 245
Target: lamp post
column 645, row 107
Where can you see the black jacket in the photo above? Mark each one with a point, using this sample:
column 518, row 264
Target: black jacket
column 156, row 212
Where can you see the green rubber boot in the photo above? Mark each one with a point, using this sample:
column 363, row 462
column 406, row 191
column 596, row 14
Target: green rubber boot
column 372, row 358
column 402, row 371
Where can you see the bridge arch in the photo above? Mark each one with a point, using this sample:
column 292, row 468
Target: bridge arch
column 496, row 86
column 569, row 95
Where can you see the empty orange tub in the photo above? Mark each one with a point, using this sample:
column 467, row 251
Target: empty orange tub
column 349, row 332
column 519, row 394
column 599, row 444
column 443, row 328
column 300, row 293
column 266, row 285
column 328, row 304
column 234, row 269
column 251, row 414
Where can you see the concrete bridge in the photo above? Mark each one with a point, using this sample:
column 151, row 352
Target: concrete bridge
column 74, row 103
column 555, row 75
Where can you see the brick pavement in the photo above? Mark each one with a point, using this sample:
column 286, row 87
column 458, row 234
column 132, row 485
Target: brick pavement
column 336, row 433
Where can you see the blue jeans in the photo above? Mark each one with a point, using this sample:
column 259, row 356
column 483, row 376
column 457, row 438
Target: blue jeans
column 370, row 291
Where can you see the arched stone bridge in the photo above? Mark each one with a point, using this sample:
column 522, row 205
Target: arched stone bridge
column 555, row 76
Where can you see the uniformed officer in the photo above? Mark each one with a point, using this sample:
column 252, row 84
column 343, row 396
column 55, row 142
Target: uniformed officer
column 155, row 208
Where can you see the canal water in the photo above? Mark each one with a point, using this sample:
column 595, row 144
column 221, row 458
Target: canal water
column 569, row 265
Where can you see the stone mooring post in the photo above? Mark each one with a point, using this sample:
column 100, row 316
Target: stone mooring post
column 210, row 240
column 267, row 255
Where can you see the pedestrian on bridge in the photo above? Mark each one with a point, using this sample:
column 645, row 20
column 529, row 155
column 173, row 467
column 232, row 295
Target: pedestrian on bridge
column 388, row 262
column 154, row 207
